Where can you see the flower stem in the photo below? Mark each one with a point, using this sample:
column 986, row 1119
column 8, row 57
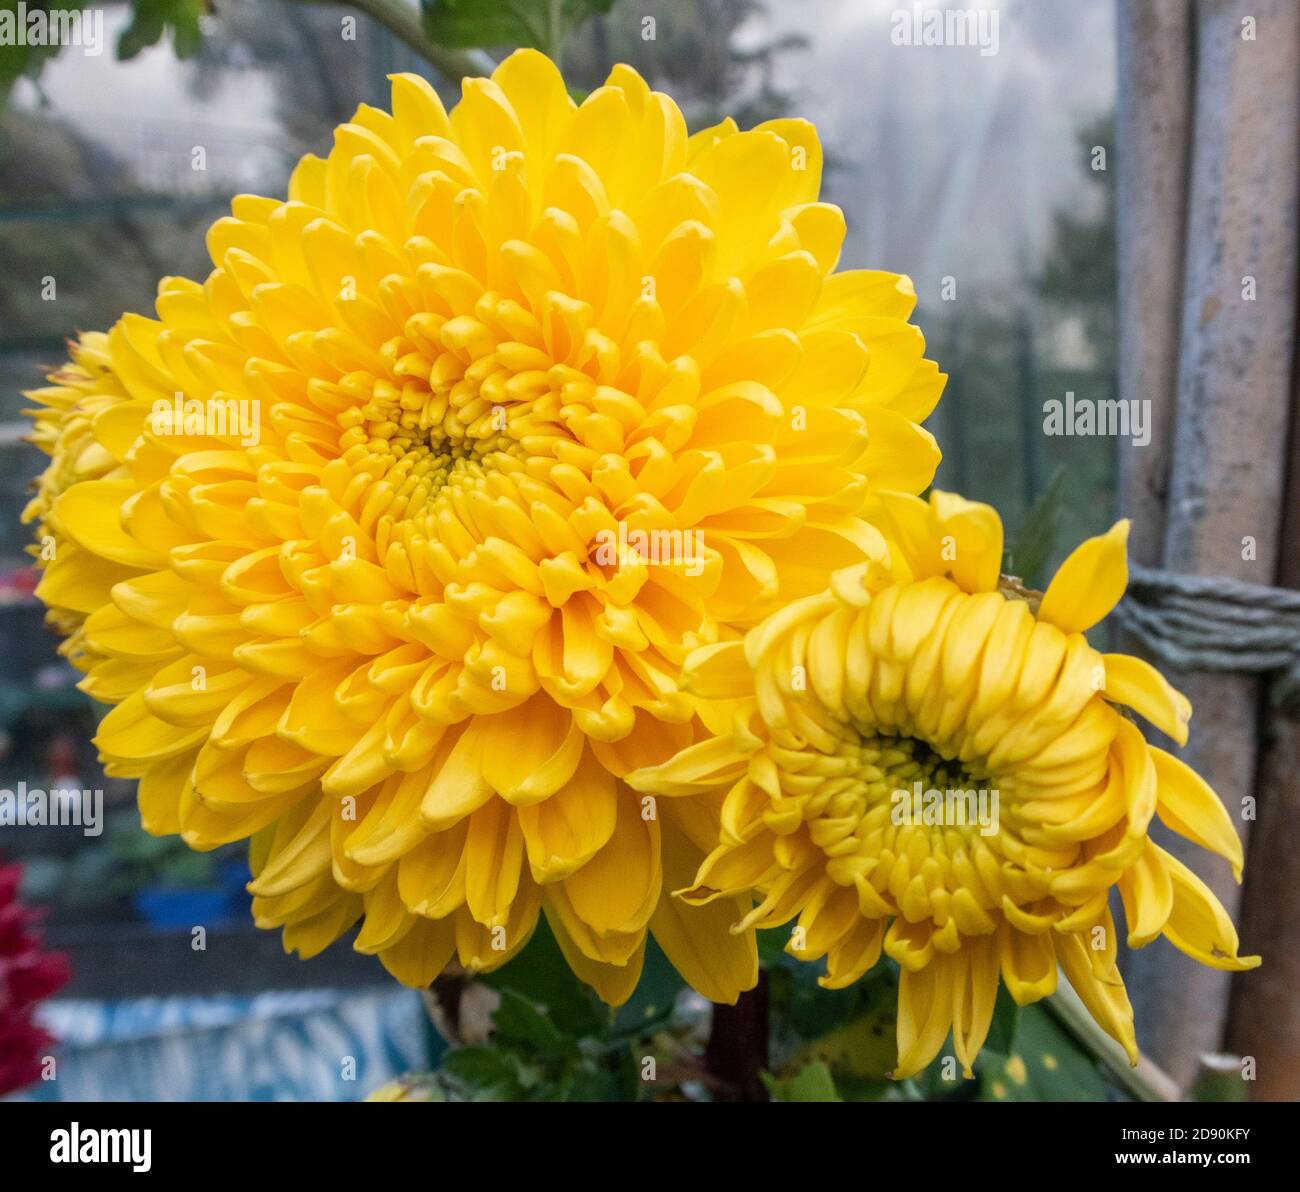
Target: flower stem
column 736, row 1055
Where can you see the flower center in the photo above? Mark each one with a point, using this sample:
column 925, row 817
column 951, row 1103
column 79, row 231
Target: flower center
column 879, row 782
column 906, row 761
column 436, row 419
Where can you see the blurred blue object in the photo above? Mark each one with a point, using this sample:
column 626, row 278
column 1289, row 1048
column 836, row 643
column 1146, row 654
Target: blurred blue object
column 160, row 906
column 168, row 907
column 306, row 1045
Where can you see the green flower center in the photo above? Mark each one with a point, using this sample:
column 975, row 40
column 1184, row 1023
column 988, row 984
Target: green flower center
column 905, row 761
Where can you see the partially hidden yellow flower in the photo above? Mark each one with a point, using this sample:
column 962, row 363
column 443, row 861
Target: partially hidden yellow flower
column 929, row 760
column 388, row 539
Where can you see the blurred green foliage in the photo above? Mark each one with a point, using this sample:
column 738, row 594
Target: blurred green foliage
column 553, row 1040
column 150, row 21
column 17, row 57
column 127, row 860
column 1028, row 551
column 840, row 1046
column 493, row 24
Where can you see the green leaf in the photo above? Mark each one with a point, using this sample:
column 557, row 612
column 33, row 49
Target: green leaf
column 1029, row 550
column 554, row 1041
column 483, row 1073
column 524, row 1024
column 1006, row 1018
column 1046, row 1064
column 864, row 1047
column 591, row 1082
column 771, row 946
column 655, row 996
column 541, row 974
column 813, row 1082
column 27, row 59
column 815, row 1012
column 495, row 24
column 150, row 19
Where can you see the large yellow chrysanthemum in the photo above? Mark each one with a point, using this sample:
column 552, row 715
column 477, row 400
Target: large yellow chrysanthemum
column 334, row 532
column 850, row 707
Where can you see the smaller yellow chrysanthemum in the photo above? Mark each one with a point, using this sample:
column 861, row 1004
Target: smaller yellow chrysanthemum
column 77, row 401
column 931, row 760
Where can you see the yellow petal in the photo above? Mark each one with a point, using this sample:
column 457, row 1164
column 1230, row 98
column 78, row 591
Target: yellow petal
column 732, row 869
column 698, row 940
column 617, row 890
column 610, row 947
column 159, row 793
column 1141, row 788
column 299, row 854
column 459, row 787
column 855, row 954
column 494, row 852
column 530, row 752
column 311, row 936
column 535, row 88
column 718, row 672
column 1089, row 583
column 901, row 456
column 613, row 983
column 1138, row 685
column 565, row 831
column 1148, row 897
column 80, row 580
column 969, row 541
column 1198, row 924
column 421, row 953
column 482, row 948
column 386, row 920
column 431, row 876
column 975, row 990
column 1028, row 964
column 91, row 514
column 713, row 762
column 417, row 109
column 1188, row 805
column 828, row 916
column 1106, row 1001
column 132, row 736
column 924, row 1016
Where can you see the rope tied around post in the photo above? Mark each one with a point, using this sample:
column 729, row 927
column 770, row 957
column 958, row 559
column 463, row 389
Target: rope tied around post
column 1215, row 623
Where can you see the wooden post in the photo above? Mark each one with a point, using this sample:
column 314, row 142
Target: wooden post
column 1265, row 1017
column 1152, row 127
column 1152, row 135
column 1226, row 477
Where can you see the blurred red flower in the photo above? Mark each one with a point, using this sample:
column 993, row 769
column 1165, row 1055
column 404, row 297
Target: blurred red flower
column 27, row 974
